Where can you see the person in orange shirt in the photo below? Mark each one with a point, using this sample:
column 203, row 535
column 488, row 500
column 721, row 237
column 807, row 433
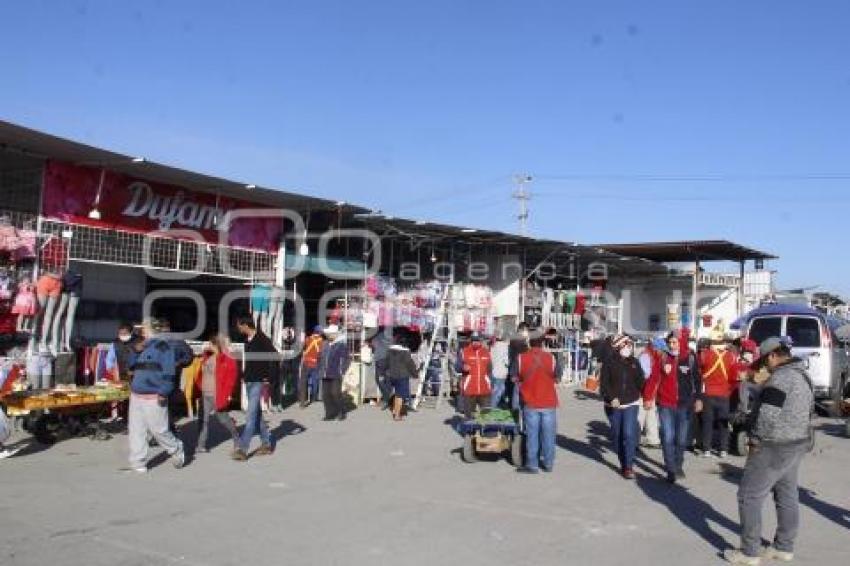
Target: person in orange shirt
column 719, row 371
column 308, row 379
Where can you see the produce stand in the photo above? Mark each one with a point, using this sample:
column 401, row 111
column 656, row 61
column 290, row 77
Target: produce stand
column 72, row 410
column 492, row 432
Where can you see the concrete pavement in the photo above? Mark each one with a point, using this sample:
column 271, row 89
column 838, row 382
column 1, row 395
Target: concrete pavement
column 370, row 491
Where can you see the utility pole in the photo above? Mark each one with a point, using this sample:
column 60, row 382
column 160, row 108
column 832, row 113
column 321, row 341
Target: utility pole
column 523, row 196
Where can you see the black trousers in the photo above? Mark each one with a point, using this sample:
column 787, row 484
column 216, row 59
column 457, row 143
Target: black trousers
column 715, row 416
column 332, row 398
column 471, row 403
column 275, row 393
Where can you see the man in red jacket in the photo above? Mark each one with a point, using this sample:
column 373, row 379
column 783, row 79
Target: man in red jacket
column 476, row 365
column 718, row 368
column 537, row 370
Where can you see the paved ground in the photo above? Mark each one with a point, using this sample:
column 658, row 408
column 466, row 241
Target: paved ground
column 370, row 491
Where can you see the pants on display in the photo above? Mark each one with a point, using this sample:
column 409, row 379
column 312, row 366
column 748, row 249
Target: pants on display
column 68, row 307
column 675, row 433
column 207, row 410
column 540, row 431
column 47, row 306
column 254, row 422
column 648, row 423
column 332, row 398
column 771, row 469
column 715, row 416
column 473, row 403
column 624, row 434
column 146, row 416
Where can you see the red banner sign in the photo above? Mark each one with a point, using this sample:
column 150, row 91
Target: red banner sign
column 127, row 203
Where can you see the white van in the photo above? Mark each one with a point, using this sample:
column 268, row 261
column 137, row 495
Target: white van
column 813, row 339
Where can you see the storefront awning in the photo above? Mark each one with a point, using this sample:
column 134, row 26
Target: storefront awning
column 328, row 266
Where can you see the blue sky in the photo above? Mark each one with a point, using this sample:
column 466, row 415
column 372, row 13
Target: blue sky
column 640, row 121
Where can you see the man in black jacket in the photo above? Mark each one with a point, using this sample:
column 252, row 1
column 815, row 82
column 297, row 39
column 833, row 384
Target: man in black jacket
column 261, row 361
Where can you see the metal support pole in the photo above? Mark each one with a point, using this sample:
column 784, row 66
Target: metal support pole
column 741, row 296
column 695, row 298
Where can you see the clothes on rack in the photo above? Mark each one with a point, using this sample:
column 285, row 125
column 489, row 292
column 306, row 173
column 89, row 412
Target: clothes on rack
column 25, row 300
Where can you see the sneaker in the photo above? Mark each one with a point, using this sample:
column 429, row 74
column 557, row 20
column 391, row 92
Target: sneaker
column 722, row 454
column 706, row 454
column 239, row 456
column 527, row 470
column 545, row 469
column 202, row 450
column 265, row 450
column 733, row 556
column 770, row 553
column 179, row 459
column 629, row 474
column 6, row 453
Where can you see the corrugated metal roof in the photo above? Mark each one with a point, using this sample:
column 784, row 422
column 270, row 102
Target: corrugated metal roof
column 45, row 146
column 704, row 250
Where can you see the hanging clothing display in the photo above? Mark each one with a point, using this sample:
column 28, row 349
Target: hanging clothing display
column 261, row 297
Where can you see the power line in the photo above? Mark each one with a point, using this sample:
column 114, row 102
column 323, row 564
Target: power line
column 720, row 178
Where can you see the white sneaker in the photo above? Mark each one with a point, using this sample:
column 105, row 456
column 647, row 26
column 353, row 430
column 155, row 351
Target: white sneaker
column 179, row 459
column 6, row 453
column 734, row 556
column 770, row 553
column 706, row 454
column 722, row 454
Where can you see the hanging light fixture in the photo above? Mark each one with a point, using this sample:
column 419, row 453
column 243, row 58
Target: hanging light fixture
column 433, row 254
column 94, row 213
column 304, row 249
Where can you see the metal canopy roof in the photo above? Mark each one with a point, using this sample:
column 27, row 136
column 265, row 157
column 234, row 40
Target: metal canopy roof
column 40, row 145
column 534, row 250
column 703, row 250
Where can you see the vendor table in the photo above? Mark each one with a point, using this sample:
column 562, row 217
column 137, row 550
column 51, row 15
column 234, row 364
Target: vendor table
column 76, row 411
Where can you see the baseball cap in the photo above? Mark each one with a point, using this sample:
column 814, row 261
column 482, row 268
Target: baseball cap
column 767, row 347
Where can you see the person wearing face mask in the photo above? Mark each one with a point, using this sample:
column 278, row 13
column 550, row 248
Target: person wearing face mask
column 621, row 383
column 120, row 353
column 674, row 387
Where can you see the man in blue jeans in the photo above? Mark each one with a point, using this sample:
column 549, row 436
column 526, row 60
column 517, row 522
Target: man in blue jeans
column 537, row 371
column 261, row 359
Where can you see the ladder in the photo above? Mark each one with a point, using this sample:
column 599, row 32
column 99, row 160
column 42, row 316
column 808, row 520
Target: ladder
column 430, row 392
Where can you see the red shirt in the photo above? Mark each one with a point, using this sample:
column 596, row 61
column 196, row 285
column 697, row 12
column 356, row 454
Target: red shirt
column 537, row 379
column 719, row 372
column 477, row 364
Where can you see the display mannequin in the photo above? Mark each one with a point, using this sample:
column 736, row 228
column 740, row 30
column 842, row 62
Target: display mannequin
column 260, row 303
column 72, row 289
column 48, row 291
column 276, row 314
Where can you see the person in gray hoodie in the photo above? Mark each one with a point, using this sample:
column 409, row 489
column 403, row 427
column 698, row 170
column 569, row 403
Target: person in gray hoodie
column 780, row 436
